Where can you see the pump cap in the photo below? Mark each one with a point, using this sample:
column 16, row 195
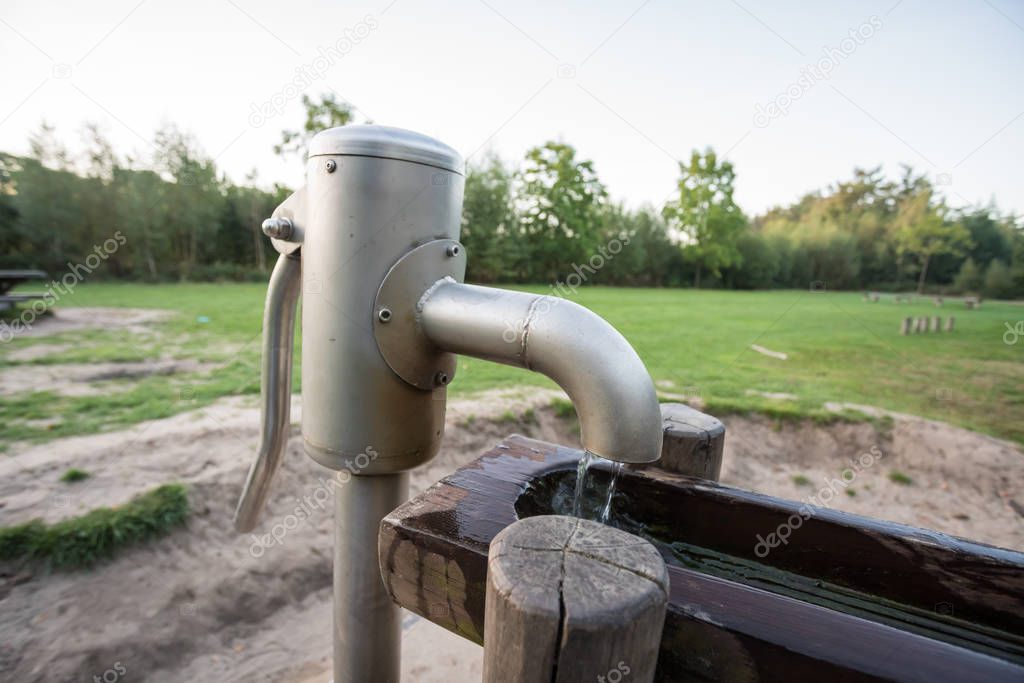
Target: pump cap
column 386, row 143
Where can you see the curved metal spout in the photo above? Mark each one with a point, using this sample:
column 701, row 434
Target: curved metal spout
column 276, row 383
column 614, row 397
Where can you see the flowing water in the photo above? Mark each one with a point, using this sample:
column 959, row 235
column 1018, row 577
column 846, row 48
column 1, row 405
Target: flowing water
column 611, row 492
column 582, row 471
column 581, row 494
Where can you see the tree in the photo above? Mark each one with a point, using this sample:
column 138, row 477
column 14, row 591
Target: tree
column 646, row 255
column 923, row 232
column 488, row 218
column 11, row 239
column 704, row 216
column 195, row 196
column 560, row 201
column 327, row 113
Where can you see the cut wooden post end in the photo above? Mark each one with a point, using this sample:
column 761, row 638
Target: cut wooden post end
column 572, row 600
column 693, row 443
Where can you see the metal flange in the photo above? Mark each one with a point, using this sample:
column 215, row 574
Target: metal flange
column 402, row 343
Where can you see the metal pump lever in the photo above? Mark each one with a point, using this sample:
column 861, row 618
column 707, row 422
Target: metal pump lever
column 275, row 386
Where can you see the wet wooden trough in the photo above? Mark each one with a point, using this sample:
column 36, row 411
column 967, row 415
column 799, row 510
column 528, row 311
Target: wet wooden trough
column 845, row 598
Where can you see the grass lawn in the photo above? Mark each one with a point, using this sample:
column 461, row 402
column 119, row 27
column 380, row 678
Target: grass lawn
column 839, row 348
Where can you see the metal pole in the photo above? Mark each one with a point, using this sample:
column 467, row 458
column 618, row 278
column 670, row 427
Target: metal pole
column 367, row 624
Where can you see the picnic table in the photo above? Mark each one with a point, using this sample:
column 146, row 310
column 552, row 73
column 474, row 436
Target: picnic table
column 9, row 279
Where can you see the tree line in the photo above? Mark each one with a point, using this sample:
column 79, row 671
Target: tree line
column 547, row 219
column 534, row 222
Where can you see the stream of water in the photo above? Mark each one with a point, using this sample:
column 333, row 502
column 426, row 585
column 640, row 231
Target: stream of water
column 580, row 494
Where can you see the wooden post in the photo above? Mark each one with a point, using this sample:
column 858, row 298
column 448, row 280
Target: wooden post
column 693, row 442
column 572, row 600
column 905, row 328
column 949, row 323
column 922, row 324
column 935, row 324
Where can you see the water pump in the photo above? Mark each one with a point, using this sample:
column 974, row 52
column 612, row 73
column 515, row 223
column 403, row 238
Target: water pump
column 371, row 242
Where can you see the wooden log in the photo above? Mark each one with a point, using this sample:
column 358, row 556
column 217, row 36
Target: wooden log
column 572, row 600
column 693, row 442
column 949, row 323
column 905, row 326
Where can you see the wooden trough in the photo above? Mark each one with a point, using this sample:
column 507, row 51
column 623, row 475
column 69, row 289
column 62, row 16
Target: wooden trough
column 845, row 598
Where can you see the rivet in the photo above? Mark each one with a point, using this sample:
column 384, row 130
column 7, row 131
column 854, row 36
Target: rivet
column 332, row 165
column 384, row 315
column 441, row 378
column 453, row 250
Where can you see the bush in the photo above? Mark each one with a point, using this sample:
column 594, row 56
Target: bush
column 968, row 280
column 226, row 272
column 998, row 281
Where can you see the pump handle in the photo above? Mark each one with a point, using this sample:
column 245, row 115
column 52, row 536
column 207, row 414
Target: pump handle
column 276, row 386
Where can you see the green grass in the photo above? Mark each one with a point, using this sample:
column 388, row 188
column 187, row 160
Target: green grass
column 81, row 542
column 695, row 342
column 74, row 475
column 563, row 408
column 801, row 480
column 510, row 417
column 900, row 478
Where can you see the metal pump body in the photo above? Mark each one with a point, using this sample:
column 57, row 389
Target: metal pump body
column 372, row 243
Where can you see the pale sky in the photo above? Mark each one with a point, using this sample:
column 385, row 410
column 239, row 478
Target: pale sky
column 633, row 85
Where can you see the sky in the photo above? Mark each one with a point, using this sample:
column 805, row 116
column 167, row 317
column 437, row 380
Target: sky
column 794, row 94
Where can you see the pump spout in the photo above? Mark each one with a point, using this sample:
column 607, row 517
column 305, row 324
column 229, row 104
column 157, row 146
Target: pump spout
column 620, row 418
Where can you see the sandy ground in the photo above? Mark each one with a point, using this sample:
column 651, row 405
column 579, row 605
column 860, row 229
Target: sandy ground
column 199, row 605
column 204, row 605
column 89, row 379
column 132, row 320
